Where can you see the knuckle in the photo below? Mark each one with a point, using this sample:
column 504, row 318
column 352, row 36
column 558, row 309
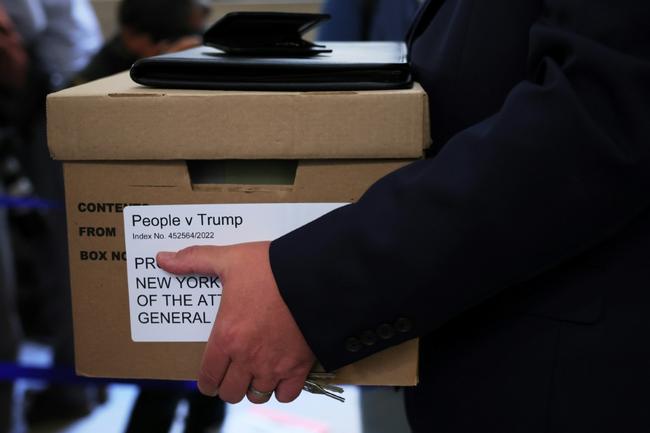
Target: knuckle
column 282, row 366
column 278, row 371
column 207, row 377
column 189, row 252
column 230, row 341
column 264, row 375
column 224, row 329
column 288, row 367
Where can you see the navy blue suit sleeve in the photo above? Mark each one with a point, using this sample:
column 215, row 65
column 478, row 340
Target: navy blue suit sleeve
column 561, row 167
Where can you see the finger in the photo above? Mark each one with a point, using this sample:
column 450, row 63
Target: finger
column 234, row 384
column 261, row 390
column 192, row 260
column 289, row 389
column 213, row 368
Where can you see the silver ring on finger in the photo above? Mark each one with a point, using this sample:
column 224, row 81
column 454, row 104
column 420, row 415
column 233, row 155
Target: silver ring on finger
column 259, row 394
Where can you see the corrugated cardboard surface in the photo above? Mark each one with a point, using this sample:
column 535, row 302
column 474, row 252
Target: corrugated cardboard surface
column 123, row 143
column 116, row 119
column 95, row 192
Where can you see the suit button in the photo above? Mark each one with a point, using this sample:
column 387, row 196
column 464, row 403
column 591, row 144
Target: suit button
column 403, row 325
column 352, row 344
column 385, row 331
column 368, row 338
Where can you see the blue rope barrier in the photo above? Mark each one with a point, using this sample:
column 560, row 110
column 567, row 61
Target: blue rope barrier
column 11, row 372
column 7, row 201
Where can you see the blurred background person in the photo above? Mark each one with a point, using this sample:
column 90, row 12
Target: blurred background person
column 148, row 28
column 63, row 34
column 60, row 36
column 368, row 20
column 13, row 72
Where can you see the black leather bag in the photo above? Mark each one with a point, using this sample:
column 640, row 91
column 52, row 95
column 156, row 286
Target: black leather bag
column 266, row 51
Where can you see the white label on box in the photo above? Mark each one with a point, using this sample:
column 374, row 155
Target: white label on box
column 166, row 307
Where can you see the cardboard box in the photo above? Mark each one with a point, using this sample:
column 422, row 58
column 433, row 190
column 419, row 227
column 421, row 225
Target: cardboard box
column 124, row 144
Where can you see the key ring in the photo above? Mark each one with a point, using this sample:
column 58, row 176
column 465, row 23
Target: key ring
column 316, row 383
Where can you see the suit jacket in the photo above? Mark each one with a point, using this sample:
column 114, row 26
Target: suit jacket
column 376, row 20
column 520, row 250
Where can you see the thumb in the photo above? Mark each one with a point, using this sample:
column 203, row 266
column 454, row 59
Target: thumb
column 206, row 260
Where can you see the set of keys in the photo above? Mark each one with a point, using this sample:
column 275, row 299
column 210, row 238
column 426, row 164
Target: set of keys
column 317, row 383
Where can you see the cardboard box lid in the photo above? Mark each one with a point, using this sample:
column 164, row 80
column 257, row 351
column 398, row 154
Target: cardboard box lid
column 116, row 119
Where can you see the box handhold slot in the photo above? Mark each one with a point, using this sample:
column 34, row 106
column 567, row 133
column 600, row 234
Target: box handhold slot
column 242, row 172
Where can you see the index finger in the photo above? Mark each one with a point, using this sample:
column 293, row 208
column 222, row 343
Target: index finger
column 213, row 369
column 192, row 260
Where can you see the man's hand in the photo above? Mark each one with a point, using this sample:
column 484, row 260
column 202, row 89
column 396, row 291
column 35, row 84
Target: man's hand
column 255, row 344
